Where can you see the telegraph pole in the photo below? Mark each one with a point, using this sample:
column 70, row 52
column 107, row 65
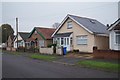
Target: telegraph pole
column 17, row 31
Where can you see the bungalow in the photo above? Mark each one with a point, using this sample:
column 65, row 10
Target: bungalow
column 81, row 33
column 114, row 35
column 22, row 36
column 40, row 37
column 10, row 41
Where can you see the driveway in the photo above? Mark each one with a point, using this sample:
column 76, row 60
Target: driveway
column 18, row 66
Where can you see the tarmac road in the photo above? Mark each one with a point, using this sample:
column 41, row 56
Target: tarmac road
column 18, row 66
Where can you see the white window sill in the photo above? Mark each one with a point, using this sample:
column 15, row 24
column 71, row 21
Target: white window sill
column 117, row 44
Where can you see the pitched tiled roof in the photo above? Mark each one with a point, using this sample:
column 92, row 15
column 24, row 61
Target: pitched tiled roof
column 46, row 32
column 91, row 24
column 24, row 35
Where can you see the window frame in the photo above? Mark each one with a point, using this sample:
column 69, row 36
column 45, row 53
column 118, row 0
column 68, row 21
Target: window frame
column 62, row 41
column 35, row 32
column 82, row 38
column 69, row 23
column 41, row 43
column 117, row 33
column 71, row 41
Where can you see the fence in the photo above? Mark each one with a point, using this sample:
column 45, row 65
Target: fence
column 58, row 50
column 106, row 54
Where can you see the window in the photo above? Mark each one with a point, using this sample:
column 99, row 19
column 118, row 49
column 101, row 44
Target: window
column 58, row 41
column 67, row 41
column 117, row 37
column 35, row 32
column 82, row 40
column 61, row 41
column 92, row 21
column 18, row 44
column 21, row 43
column 41, row 43
column 69, row 24
column 71, row 41
column 55, row 40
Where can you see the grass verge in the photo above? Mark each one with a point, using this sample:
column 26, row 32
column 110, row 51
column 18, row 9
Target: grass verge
column 100, row 65
column 43, row 57
column 12, row 52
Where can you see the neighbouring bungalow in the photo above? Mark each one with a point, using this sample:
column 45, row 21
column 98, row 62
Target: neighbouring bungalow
column 81, row 33
column 10, row 42
column 22, row 36
column 114, row 36
column 40, row 37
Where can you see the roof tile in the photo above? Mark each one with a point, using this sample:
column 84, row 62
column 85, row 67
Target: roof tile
column 91, row 24
column 46, row 32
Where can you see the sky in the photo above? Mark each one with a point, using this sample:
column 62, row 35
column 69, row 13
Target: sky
column 33, row 14
column 119, row 9
column 0, row 12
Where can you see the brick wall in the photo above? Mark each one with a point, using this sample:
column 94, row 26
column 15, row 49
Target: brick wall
column 50, row 51
column 13, row 49
column 46, row 50
column 106, row 54
column 8, row 48
column 59, row 51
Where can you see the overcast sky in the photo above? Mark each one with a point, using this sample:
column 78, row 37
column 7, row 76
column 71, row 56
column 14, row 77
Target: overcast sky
column 0, row 12
column 32, row 14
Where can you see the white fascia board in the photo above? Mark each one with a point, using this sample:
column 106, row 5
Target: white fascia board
column 73, row 20
column 113, row 25
column 60, row 25
column 107, row 35
column 81, row 25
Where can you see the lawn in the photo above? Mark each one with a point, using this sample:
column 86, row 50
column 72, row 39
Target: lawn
column 34, row 55
column 100, row 65
column 12, row 52
column 43, row 57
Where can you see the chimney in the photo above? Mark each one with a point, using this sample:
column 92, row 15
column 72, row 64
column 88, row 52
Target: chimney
column 107, row 25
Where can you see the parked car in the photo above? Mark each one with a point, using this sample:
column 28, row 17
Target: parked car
column 2, row 45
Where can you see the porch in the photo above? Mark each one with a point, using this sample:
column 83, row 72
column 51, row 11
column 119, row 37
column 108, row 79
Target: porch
column 64, row 40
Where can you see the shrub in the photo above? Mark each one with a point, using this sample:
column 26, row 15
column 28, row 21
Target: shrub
column 76, row 50
column 50, row 45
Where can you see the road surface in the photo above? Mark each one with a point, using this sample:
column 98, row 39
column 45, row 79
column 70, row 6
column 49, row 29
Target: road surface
column 18, row 66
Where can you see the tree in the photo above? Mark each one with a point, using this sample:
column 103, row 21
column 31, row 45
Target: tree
column 55, row 25
column 7, row 31
column 0, row 34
